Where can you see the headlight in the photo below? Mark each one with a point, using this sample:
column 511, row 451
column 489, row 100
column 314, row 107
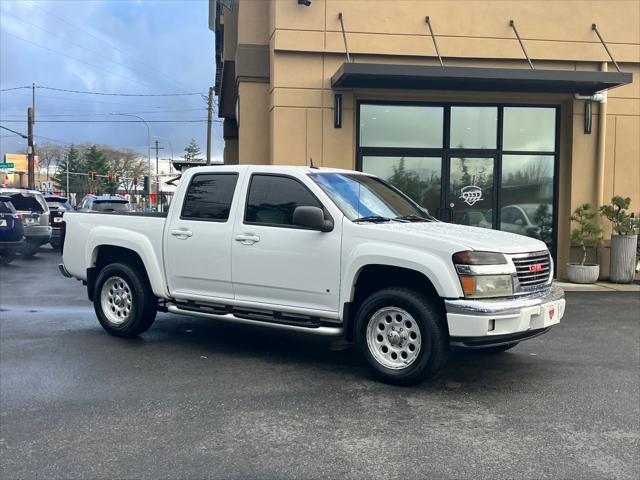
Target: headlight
column 484, row 274
column 483, row 286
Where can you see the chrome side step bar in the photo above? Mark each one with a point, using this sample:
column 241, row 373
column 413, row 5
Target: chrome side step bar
column 315, row 329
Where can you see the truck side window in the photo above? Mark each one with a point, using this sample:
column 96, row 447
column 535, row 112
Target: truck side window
column 273, row 198
column 209, row 197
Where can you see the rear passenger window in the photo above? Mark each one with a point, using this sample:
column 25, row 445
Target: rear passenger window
column 272, row 200
column 209, row 197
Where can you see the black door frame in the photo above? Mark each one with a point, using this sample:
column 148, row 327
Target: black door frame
column 446, row 152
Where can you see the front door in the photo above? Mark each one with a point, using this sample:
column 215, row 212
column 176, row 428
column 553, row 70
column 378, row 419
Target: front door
column 469, row 194
column 276, row 263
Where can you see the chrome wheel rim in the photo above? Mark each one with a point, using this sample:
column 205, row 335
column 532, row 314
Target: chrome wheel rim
column 393, row 338
column 116, row 300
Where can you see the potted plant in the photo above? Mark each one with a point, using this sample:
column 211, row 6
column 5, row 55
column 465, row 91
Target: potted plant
column 587, row 233
column 624, row 239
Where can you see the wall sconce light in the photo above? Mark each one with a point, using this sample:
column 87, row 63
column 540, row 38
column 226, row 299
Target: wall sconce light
column 306, row 3
column 337, row 110
column 588, row 111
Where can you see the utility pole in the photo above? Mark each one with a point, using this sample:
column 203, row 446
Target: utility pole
column 209, row 111
column 30, row 150
column 157, row 171
column 33, row 101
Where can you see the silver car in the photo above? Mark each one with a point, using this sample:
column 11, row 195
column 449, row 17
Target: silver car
column 34, row 211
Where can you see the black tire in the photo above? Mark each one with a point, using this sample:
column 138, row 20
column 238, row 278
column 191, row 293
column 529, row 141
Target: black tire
column 6, row 257
column 30, row 249
column 144, row 305
column 434, row 339
column 494, row 350
column 55, row 244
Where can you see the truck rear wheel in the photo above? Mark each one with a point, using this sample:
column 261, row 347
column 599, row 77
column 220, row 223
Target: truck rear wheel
column 123, row 301
column 401, row 335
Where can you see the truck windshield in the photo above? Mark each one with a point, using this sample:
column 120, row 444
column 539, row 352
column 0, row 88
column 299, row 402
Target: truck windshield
column 366, row 198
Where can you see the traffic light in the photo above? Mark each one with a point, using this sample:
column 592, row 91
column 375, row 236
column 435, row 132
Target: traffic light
column 110, row 177
column 147, row 184
column 93, row 175
column 135, row 181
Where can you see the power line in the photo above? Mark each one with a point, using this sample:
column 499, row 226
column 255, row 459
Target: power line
column 147, row 65
column 121, row 94
column 100, row 68
column 94, row 52
column 83, row 100
column 13, row 88
column 110, row 121
column 80, row 114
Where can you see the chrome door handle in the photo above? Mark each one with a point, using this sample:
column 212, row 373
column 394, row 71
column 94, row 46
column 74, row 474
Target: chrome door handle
column 247, row 238
column 183, row 234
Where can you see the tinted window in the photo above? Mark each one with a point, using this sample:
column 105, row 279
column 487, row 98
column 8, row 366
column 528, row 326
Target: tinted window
column 272, row 200
column 209, row 196
column 6, row 207
column 401, row 126
column 529, row 129
column 28, row 203
column 110, row 206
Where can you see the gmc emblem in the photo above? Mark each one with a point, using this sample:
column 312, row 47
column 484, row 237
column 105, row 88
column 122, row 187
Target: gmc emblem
column 536, row 267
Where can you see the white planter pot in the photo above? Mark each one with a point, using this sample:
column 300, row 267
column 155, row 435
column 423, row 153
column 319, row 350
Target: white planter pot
column 587, row 273
column 623, row 258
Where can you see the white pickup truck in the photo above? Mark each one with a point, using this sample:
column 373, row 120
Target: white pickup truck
column 330, row 252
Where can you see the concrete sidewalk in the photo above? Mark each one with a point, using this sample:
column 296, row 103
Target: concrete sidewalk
column 599, row 287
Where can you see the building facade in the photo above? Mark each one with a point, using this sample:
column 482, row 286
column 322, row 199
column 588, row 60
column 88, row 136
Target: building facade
column 448, row 109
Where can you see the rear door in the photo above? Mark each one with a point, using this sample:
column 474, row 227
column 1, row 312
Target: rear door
column 198, row 238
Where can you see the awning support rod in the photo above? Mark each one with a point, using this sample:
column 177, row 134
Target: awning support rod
column 513, row 25
column 595, row 29
column 344, row 38
column 435, row 43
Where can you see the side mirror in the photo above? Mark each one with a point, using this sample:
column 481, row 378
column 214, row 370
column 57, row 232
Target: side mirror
column 312, row 218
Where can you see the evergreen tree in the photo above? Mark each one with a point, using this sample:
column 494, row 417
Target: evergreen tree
column 96, row 161
column 71, row 161
column 192, row 151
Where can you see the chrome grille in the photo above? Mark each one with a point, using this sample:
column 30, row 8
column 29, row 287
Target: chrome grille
column 533, row 269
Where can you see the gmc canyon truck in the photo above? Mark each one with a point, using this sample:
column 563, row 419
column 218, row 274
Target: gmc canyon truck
column 330, row 252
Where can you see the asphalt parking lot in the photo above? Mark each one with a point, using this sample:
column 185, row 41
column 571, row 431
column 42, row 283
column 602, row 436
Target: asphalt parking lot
column 194, row 398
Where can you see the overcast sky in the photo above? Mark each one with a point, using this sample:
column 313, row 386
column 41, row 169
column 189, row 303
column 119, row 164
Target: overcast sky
column 114, row 46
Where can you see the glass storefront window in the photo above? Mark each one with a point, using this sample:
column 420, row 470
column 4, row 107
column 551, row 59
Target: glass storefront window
column 527, row 195
column 418, row 177
column 401, row 126
column 529, row 129
column 474, row 127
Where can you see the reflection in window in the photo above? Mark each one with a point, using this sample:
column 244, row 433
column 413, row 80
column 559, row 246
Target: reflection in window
column 417, row 177
column 474, row 127
column 401, row 126
column 527, row 196
column 209, row 197
column 529, row 129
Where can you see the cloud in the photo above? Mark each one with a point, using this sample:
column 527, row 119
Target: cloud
column 136, row 47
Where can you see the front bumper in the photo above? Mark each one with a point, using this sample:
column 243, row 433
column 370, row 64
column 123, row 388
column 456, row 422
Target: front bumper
column 498, row 321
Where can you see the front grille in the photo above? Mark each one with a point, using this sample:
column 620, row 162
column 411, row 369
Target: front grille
column 533, row 269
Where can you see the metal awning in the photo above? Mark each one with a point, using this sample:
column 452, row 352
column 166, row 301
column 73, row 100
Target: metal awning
column 421, row 77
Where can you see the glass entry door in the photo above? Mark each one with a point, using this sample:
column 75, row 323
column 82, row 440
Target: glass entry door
column 469, row 195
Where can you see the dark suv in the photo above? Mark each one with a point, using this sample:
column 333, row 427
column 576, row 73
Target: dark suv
column 31, row 205
column 11, row 231
column 104, row 203
column 57, row 206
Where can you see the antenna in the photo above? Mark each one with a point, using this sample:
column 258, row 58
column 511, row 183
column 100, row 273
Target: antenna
column 311, row 165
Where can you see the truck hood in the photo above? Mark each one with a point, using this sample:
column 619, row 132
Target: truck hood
column 461, row 237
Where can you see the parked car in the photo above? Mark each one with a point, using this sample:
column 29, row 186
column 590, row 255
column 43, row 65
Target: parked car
column 34, row 211
column 323, row 251
column 11, row 231
column 104, row 203
column 57, row 206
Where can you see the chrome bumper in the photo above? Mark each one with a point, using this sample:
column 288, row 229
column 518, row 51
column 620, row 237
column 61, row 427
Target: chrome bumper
column 503, row 306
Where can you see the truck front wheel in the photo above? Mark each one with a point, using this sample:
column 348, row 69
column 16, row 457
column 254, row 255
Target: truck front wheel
column 123, row 301
column 401, row 335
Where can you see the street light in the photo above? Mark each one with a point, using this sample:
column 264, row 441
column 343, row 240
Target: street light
column 148, row 142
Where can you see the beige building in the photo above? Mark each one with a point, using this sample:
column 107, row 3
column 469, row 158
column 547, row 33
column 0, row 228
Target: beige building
column 459, row 120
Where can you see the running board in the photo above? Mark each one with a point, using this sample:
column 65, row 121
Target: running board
column 307, row 327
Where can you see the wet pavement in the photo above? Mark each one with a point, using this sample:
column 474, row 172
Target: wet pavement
column 196, row 398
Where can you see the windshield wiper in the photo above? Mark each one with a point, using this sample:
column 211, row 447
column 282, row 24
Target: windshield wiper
column 413, row 218
column 372, row 218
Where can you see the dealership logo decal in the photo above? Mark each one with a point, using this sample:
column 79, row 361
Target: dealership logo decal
column 552, row 312
column 471, row 194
